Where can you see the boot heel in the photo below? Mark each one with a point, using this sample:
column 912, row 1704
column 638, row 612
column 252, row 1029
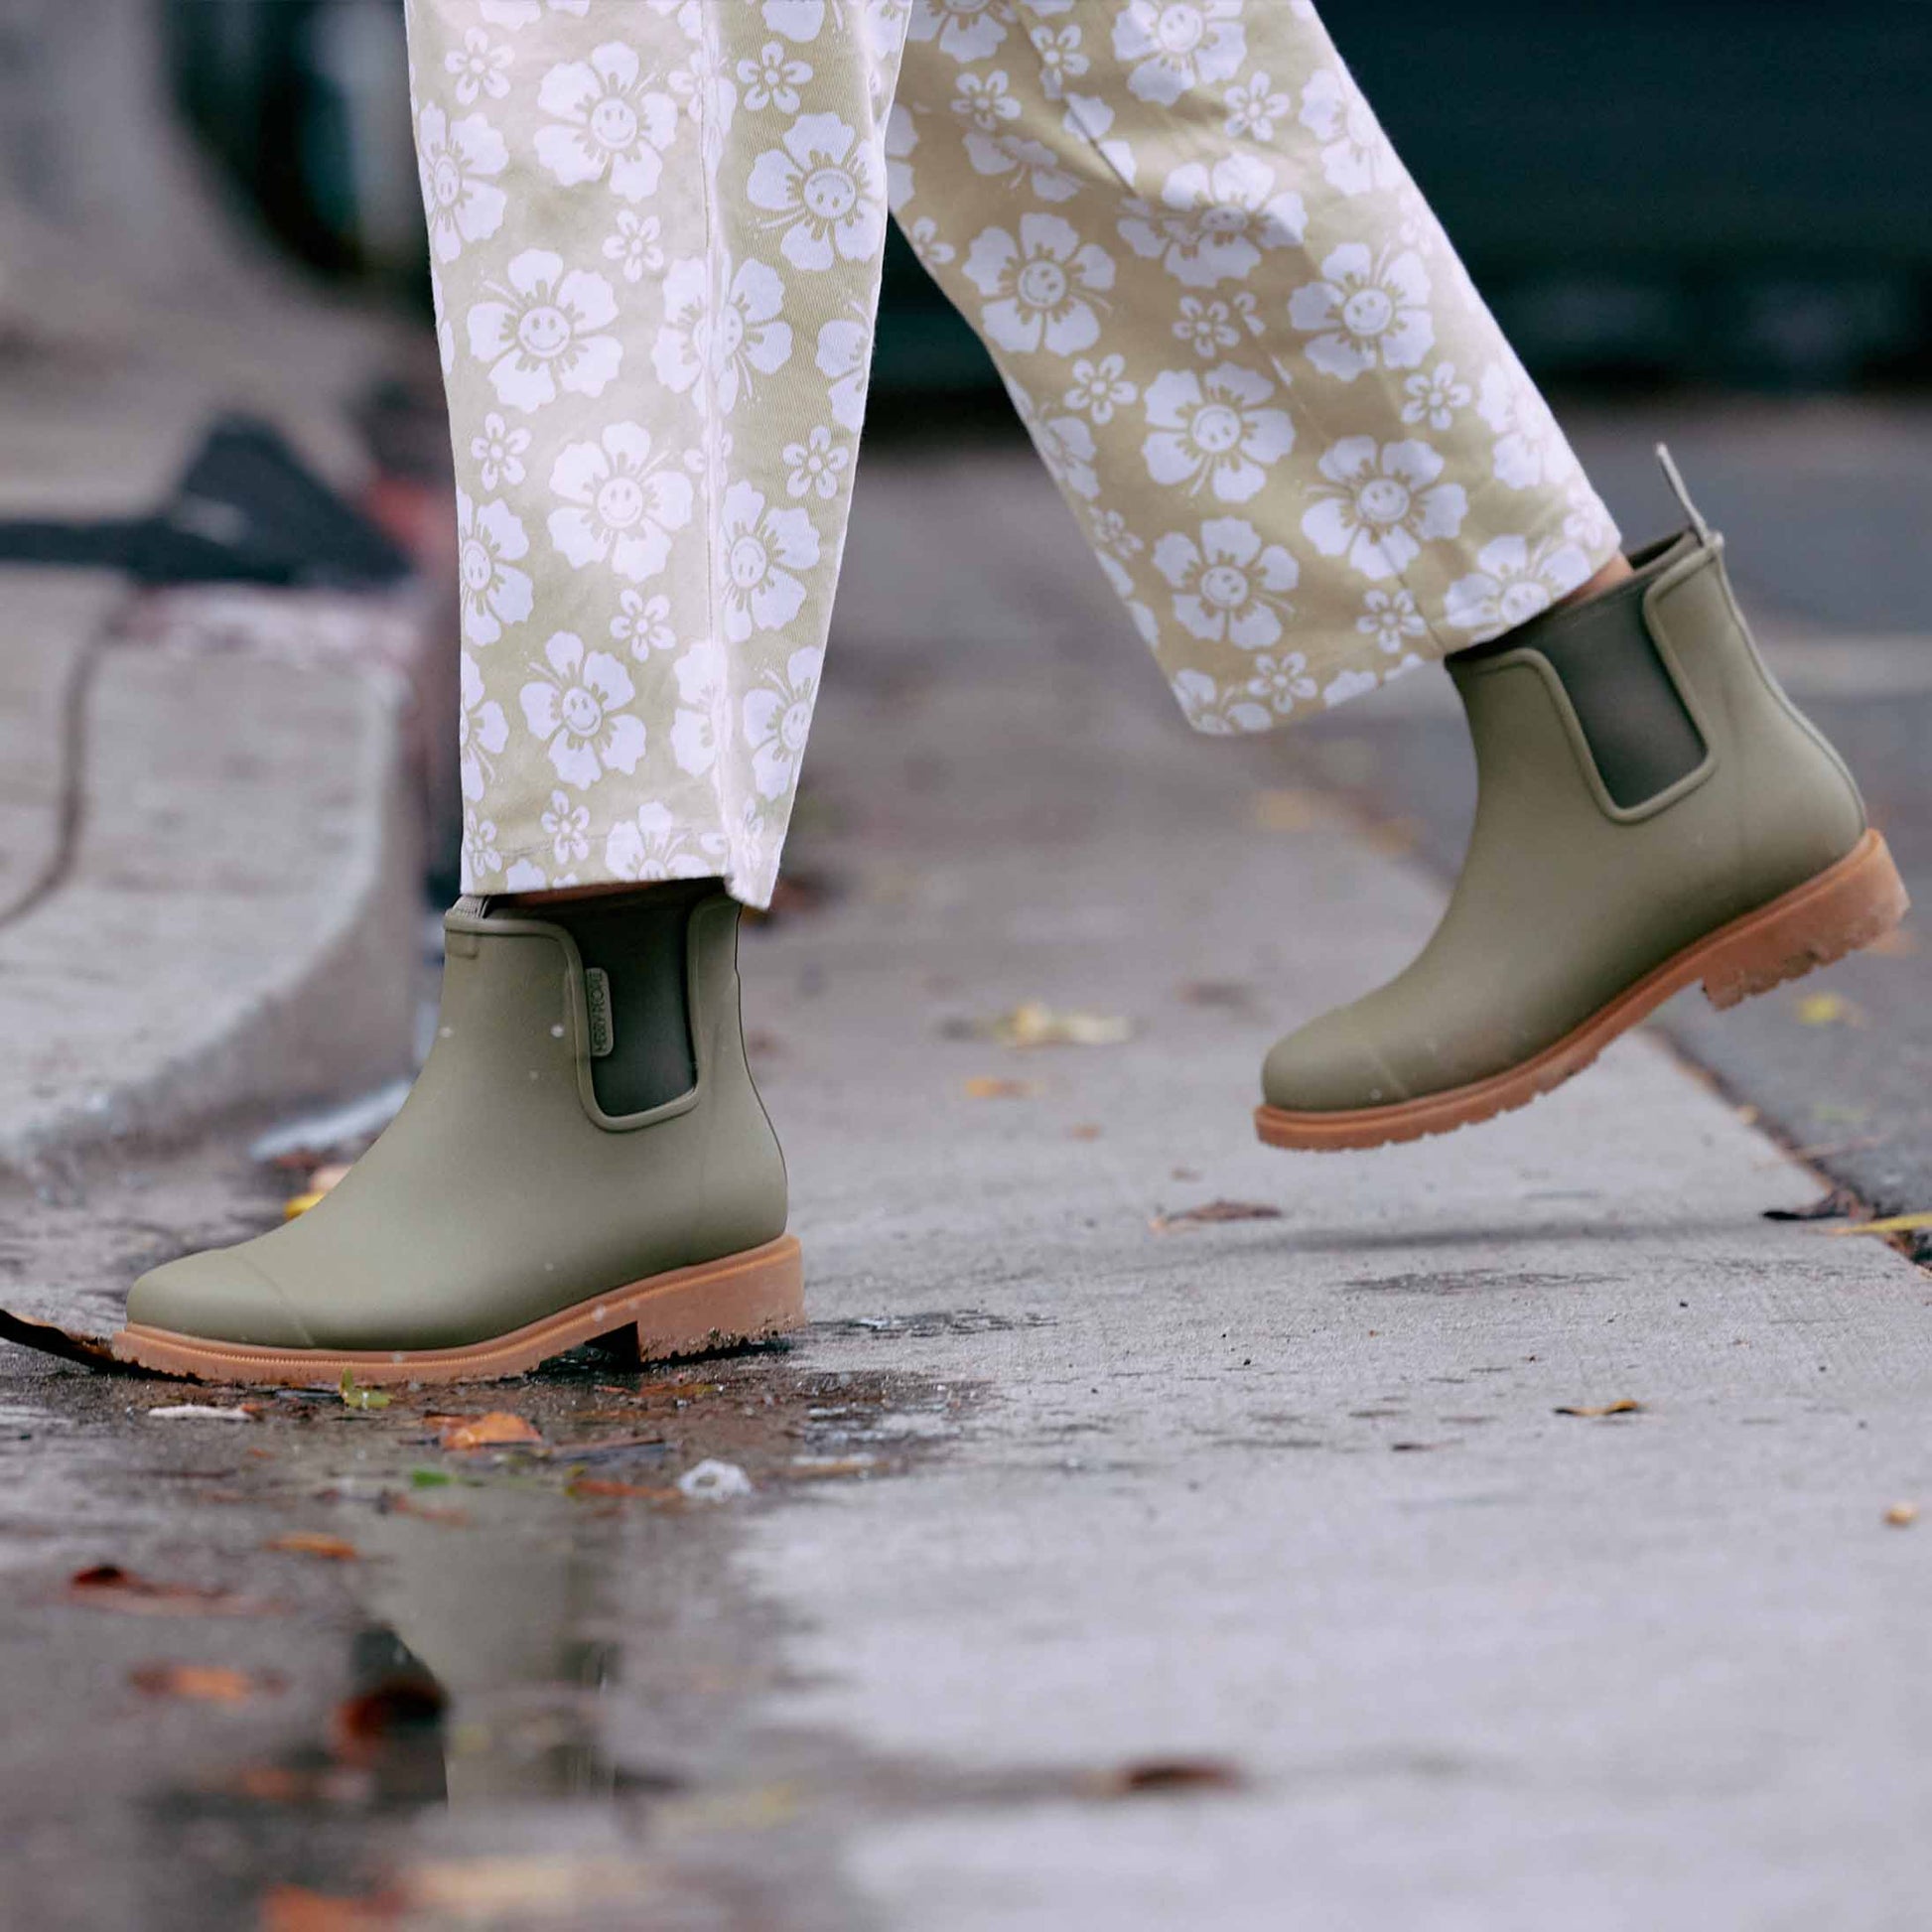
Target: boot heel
column 1849, row 905
column 750, row 1296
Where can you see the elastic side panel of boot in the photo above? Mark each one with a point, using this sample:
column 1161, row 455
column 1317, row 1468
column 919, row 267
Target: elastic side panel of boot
column 1640, row 735
column 640, row 947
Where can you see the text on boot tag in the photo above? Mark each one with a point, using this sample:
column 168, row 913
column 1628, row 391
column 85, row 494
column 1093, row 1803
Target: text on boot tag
column 596, row 1000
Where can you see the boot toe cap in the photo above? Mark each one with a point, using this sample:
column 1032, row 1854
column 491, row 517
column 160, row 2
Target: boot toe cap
column 217, row 1296
column 1327, row 1068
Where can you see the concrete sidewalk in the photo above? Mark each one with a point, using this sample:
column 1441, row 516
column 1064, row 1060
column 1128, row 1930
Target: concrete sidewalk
column 1296, row 1494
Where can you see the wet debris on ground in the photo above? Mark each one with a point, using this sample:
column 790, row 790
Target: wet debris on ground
column 1623, row 1406
column 1210, row 1212
column 1033, row 1024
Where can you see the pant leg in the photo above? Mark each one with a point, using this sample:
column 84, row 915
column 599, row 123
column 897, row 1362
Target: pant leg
column 1302, row 449
column 655, row 232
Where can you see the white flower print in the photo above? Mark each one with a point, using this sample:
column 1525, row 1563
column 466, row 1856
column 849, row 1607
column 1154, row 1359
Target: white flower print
column 480, row 854
column 1350, row 684
column 1112, row 532
column 1366, row 311
column 901, row 140
column 1228, row 584
column 700, row 675
column 1215, row 220
column 1512, row 583
column 1178, row 44
column 1037, row 287
column 1253, row 107
column 1280, row 683
column 1217, row 713
column 1060, row 58
column 761, row 551
column 526, row 13
column 654, row 845
column 1586, row 521
column 644, row 624
column 774, row 79
column 1530, row 448
column 1031, row 164
column 1066, row 444
column 540, row 332
column 777, row 717
column 1391, row 619
column 619, row 507
column 499, row 452
column 1434, row 396
column 1099, row 388
column 968, row 30
column 816, row 466
column 575, row 704
column 637, row 245
column 845, row 355
column 479, row 66
column 739, row 338
column 821, row 190
column 1214, row 431
column 481, row 731
column 490, row 544
column 610, row 118
column 1380, row 503
column 460, row 200
column 1211, row 328
column 928, row 245
column 445, row 327
column 984, row 102
column 568, row 828
column 1355, row 156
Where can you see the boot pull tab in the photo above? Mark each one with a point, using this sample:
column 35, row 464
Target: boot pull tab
column 1675, row 477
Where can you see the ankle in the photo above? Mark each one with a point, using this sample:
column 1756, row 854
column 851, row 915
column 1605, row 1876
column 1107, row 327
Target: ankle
column 668, row 891
column 1617, row 571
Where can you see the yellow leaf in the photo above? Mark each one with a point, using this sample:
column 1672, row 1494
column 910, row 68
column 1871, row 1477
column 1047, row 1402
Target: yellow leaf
column 1623, row 1406
column 1902, row 1516
column 313, row 1543
column 482, row 1432
column 1827, row 1009
column 990, row 1086
column 298, row 1204
column 1891, row 1224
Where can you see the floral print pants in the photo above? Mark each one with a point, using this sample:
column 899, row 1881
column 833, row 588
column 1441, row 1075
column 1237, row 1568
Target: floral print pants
column 1300, row 447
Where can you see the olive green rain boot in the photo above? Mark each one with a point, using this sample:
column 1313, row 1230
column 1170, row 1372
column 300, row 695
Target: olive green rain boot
column 1652, row 810
column 584, row 1152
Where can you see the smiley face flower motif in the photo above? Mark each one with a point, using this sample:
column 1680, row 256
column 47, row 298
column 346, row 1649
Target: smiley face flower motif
column 1177, row 45
column 575, row 704
column 1380, row 503
column 761, row 552
column 490, row 542
column 1214, row 431
column 618, row 505
column 459, row 166
column 1513, row 582
column 481, row 732
column 611, row 120
column 777, row 718
column 1040, row 288
column 820, row 188
column 1229, row 585
column 1215, row 221
column 1366, row 312
column 539, row 333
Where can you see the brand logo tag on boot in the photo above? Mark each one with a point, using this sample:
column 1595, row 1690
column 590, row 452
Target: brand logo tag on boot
column 597, row 991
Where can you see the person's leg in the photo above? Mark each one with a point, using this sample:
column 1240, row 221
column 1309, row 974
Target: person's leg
column 655, row 232
column 1309, row 460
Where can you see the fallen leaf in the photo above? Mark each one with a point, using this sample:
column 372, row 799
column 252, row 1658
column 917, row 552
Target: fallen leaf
column 1085, row 1130
column 495, row 1429
column 356, row 1395
column 1215, row 1210
column 479, row 1891
column 298, row 1205
column 200, row 1683
column 447, row 1513
column 1827, row 1009
column 1161, row 1774
column 1827, row 1207
column 594, row 1487
column 990, row 1086
column 428, row 1478
column 1623, row 1407
column 109, row 1587
column 1902, row 1516
column 1891, row 1224
column 813, row 1469
column 410, row 1702
column 1034, row 1024
column 1232, row 996
column 314, row 1543
column 197, row 1412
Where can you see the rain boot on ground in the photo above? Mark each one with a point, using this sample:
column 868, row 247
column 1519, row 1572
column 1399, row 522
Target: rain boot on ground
column 1652, row 811
column 585, row 1153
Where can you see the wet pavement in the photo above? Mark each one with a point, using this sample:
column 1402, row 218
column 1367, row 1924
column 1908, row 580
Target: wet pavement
column 1151, row 1530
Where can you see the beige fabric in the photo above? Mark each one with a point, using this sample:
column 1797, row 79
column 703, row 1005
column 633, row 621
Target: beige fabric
column 1300, row 447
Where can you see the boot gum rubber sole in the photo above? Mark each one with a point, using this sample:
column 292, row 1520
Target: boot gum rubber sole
column 1848, row 904
column 742, row 1298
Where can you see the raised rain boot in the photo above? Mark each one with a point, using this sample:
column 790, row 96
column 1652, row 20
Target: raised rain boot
column 584, row 1152
column 1652, row 811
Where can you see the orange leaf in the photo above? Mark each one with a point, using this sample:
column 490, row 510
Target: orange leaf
column 198, row 1683
column 483, row 1432
column 313, row 1543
